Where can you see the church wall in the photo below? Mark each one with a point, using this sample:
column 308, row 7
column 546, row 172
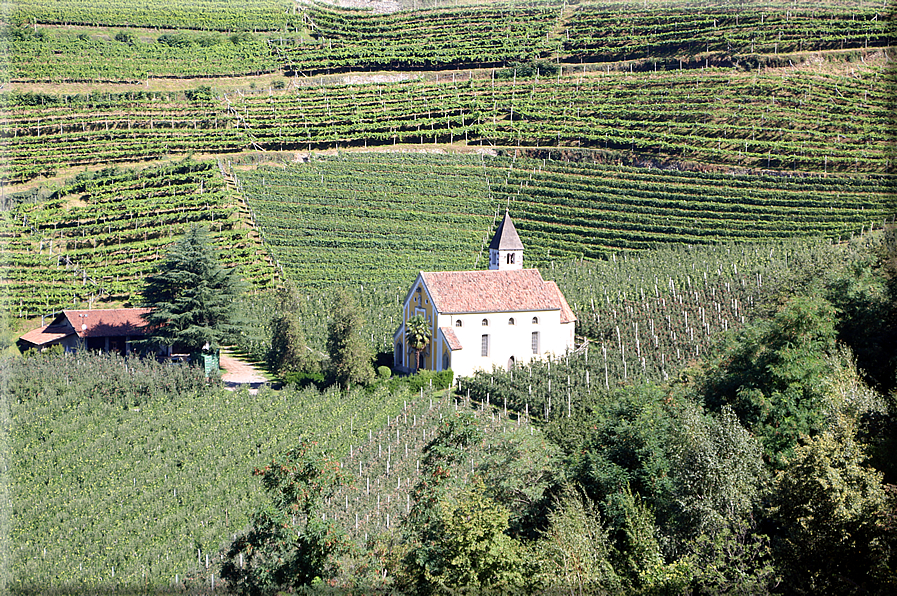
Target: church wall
column 419, row 303
column 505, row 340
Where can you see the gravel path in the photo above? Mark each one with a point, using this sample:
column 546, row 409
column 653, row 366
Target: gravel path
column 238, row 372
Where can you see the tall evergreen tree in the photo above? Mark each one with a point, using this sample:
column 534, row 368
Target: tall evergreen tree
column 351, row 356
column 191, row 295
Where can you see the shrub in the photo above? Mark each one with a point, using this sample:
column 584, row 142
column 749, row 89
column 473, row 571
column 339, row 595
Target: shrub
column 304, row 379
column 126, row 37
column 422, row 379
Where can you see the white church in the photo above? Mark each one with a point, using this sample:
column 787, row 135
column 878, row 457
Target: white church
column 483, row 319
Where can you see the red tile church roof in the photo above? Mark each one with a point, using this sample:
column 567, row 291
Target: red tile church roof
column 495, row 291
column 453, row 342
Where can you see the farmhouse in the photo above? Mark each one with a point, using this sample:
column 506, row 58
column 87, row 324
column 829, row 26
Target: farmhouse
column 109, row 330
column 483, row 319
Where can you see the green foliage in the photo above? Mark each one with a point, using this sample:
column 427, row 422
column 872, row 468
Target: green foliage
column 424, row 525
column 289, row 352
column 202, row 94
column 831, row 511
column 138, row 464
column 638, row 557
column 384, row 373
column 288, row 545
column 520, row 468
column 85, row 54
column 350, row 355
column 304, row 379
column 417, row 333
column 773, row 375
column 718, row 472
column 126, row 37
column 102, row 233
column 208, row 15
column 627, row 440
column 865, row 296
column 527, row 70
column 475, row 553
column 192, row 296
column 733, row 560
column 575, row 553
column 179, row 40
column 425, row 379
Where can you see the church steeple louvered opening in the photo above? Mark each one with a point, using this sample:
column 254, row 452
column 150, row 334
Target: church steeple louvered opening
column 506, row 249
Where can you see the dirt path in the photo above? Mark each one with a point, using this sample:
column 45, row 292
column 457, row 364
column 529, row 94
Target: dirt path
column 238, row 373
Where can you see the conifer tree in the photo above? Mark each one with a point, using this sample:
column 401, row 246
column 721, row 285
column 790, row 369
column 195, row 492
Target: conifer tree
column 191, row 296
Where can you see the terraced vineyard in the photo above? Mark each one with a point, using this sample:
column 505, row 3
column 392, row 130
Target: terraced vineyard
column 672, row 33
column 84, row 55
column 407, row 213
column 412, row 212
column 604, row 33
column 99, row 236
column 433, row 39
column 767, row 121
column 316, row 38
column 209, row 15
column 668, row 165
column 45, row 133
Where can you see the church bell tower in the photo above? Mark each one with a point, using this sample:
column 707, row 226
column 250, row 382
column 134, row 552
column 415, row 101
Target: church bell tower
column 506, row 249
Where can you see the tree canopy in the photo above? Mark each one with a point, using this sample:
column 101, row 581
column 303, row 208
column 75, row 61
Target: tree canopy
column 417, row 330
column 351, row 357
column 191, row 296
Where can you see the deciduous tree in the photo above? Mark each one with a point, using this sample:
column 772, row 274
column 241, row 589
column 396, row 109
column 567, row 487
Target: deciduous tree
column 351, row 357
column 288, row 543
column 832, row 511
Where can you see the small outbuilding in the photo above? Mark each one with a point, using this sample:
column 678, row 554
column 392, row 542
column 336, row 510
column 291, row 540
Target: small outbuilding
column 107, row 330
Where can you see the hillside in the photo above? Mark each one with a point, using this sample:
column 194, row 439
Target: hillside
column 711, row 185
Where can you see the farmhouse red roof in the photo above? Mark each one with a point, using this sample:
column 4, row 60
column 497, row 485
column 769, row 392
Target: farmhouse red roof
column 41, row 336
column 451, row 338
column 109, row 322
column 494, row 291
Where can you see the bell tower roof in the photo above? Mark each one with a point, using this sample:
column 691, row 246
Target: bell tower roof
column 506, row 237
